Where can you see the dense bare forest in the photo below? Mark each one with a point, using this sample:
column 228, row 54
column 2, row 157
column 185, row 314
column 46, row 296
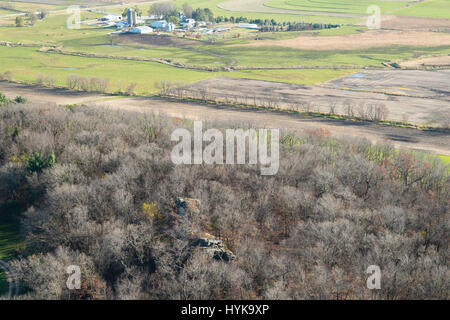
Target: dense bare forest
column 96, row 188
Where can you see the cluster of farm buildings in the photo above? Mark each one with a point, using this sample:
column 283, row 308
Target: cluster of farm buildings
column 140, row 25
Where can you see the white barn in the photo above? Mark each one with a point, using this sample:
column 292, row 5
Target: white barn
column 141, row 30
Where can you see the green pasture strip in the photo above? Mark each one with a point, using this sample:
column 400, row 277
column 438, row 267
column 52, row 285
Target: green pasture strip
column 103, row 44
column 32, row 6
column 26, row 64
column 4, row 12
column 427, row 9
column 52, row 30
column 247, row 37
column 266, row 56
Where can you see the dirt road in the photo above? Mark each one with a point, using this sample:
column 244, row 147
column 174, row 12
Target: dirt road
column 434, row 142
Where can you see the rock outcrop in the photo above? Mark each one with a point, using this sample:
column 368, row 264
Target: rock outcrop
column 188, row 206
column 215, row 248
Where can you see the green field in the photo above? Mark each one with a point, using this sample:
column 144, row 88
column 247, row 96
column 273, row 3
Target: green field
column 428, row 9
column 104, row 45
column 282, row 56
column 27, row 63
column 30, row 6
column 342, row 6
column 52, row 30
column 4, row 12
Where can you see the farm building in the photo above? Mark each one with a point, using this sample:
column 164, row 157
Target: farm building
column 141, row 30
column 248, row 26
column 121, row 24
column 163, row 25
column 181, row 16
column 187, row 23
column 221, row 29
column 131, row 17
column 158, row 24
column 111, row 18
column 153, row 17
